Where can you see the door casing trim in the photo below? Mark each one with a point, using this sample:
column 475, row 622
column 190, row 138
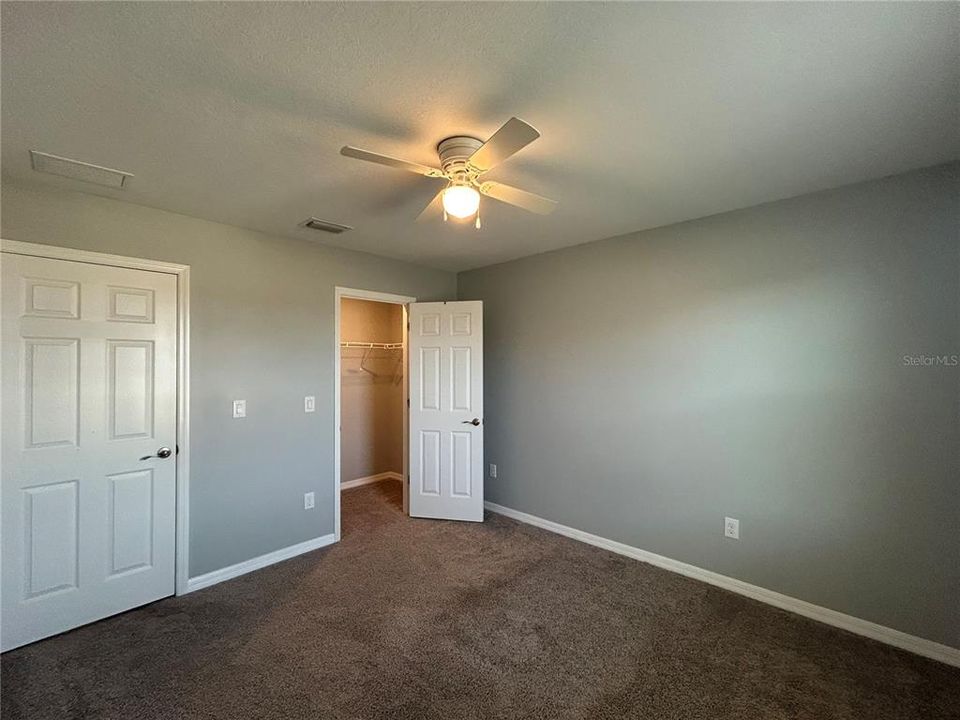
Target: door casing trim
column 356, row 294
column 182, row 273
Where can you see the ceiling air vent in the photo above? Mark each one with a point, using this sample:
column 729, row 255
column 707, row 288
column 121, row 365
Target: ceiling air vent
column 76, row 170
column 325, row 226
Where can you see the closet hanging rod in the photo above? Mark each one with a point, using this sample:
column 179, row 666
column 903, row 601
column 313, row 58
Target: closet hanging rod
column 379, row 346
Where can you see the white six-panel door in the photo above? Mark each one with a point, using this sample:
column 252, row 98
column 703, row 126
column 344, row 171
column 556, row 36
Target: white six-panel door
column 89, row 388
column 446, row 410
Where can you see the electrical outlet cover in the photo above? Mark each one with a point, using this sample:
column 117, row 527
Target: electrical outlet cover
column 731, row 528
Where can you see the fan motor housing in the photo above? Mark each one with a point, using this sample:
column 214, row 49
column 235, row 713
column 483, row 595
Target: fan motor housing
column 455, row 151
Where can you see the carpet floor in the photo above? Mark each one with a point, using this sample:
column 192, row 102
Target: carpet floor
column 424, row 619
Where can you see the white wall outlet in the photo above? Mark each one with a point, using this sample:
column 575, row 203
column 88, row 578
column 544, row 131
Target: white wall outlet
column 239, row 408
column 308, row 501
column 493, row 470
column 731, row 528
column 309, row 403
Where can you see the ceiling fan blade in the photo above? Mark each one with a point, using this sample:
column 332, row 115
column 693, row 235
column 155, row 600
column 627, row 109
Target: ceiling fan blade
column 521, row 198
column 353, row 152
column 433, row 209
column 513, row 136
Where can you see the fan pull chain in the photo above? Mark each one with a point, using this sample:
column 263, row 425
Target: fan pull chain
column 477, row 224
column 444, row 214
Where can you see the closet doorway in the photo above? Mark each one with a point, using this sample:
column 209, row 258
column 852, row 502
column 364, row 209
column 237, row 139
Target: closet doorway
column 371, row 396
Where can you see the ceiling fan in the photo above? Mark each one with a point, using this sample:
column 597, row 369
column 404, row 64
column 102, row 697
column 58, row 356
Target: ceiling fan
column 462, row 161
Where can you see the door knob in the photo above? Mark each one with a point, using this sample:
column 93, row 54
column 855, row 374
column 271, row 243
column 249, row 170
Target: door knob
column 475, row 422
column 162, row 453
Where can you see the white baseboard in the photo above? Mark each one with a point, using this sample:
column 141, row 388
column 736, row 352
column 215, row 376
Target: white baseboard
column 370, row 479
column 902, row 640
column 228, row 573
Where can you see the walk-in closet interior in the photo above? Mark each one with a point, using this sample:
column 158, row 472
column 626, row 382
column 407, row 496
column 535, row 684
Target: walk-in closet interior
column 371, row 392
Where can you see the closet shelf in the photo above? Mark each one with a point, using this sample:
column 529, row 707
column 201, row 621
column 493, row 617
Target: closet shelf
column 379, row 346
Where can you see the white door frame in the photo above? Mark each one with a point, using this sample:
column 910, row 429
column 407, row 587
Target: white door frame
column 356, row 294
column 182, row 273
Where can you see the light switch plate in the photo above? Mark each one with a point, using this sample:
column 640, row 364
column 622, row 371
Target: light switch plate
column 239, row 408
column 493, row 470
column 308, row 501
column 309, row 404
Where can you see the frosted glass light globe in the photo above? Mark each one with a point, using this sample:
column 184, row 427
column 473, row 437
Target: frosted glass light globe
column 461, row 201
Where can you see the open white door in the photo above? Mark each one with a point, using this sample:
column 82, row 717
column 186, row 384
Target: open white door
column 89, row 435
column 446, row 410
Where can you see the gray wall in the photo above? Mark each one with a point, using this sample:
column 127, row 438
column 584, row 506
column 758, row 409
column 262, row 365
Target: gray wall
column 749, row 364
column 262, row 329
column 371, row 390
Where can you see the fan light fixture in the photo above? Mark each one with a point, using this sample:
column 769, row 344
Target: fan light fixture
column 461, row 201
column 463, row 160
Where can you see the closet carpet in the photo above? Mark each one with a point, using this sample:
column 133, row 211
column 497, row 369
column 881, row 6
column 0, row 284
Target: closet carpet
column 425, row 619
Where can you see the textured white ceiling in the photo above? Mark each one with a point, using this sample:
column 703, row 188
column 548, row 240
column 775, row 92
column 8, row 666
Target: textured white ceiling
column 650, row 113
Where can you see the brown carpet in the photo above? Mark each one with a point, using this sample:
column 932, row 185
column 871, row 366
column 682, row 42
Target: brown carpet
column 423, row 619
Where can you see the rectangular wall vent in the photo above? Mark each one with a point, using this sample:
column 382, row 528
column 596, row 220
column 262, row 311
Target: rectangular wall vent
column 76, row 170
column 325, row 226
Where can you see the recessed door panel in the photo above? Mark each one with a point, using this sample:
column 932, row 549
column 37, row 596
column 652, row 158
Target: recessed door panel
column 430, row 325
column 51, row 298
column 130, row 388
column 131, row 521
column 461, row 463
column 461, row 323
column 430, row 378
column 430, row 462
column 51, row 557
column 51, row 391
column 130, row 305
column 460, row 379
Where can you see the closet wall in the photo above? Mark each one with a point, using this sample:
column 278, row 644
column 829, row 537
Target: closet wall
column 371, row 390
